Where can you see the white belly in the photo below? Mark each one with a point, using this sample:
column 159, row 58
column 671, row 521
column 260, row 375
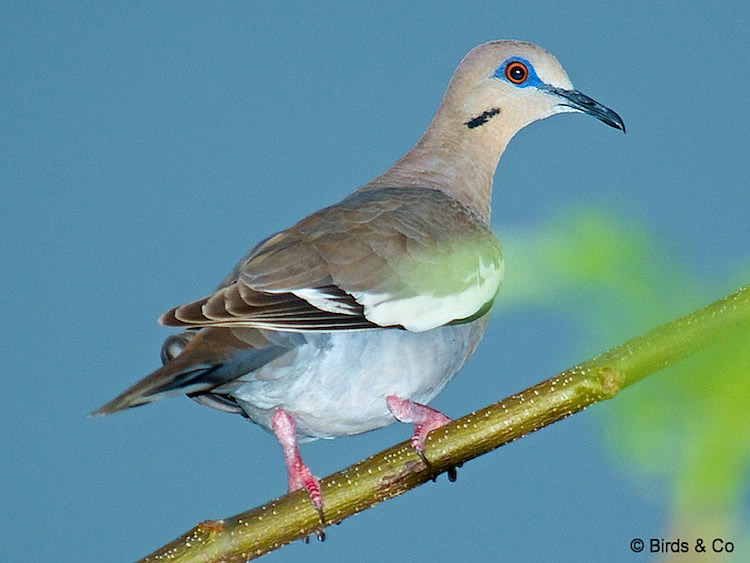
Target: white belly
column 335, row 384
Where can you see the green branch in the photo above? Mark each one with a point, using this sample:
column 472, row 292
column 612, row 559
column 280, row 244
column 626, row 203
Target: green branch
column 398, row 469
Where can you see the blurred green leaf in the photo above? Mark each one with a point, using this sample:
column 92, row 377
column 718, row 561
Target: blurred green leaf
column 686, row 432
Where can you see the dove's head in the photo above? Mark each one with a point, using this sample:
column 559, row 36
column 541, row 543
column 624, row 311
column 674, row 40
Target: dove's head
column 506, row 85
column 499, row 88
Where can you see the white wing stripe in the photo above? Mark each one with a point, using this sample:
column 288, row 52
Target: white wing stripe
column 322, row 300
column 424, row 312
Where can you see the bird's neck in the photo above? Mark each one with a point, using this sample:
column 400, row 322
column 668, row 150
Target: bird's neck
column 451, row 157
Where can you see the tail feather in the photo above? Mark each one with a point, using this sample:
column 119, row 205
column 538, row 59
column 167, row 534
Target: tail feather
column 194, row 364
column 162, row 383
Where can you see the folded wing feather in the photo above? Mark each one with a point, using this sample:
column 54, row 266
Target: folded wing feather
column 406, row 257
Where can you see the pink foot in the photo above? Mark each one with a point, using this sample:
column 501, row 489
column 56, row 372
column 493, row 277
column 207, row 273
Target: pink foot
column 300, row 477
column 425, row 419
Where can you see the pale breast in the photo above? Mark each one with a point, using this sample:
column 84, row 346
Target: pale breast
column 335, row 384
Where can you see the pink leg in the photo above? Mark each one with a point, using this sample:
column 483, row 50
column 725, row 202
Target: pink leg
column 300, row 477
column 425, row 419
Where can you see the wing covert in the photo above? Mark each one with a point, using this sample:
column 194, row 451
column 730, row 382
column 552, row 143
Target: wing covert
column 408, row 257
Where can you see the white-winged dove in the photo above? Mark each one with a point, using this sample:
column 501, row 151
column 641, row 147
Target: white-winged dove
column 359, row 314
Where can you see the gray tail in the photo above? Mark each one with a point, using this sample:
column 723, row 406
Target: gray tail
column 179, row 375
column 195, row 363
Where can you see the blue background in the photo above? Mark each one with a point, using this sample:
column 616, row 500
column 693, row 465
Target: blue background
column 144, row 149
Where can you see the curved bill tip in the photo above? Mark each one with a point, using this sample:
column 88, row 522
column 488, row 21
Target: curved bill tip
column 579, row 101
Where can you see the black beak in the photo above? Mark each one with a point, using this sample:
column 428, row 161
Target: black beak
column 581, row 102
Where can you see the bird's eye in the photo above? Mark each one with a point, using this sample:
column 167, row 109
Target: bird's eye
column 516, row 72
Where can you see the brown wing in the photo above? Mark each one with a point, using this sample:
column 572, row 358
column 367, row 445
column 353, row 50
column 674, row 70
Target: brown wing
column 371, row 260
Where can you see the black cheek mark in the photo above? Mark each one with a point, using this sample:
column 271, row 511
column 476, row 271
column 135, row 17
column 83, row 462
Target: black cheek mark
column 482, row 119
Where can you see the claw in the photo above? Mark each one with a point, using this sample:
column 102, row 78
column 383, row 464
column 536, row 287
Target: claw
column 319, row 509
column 319, row 533
column 452, row 474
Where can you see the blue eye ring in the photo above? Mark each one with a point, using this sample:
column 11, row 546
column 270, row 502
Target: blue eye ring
column 519, row 72
column 516, row 72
